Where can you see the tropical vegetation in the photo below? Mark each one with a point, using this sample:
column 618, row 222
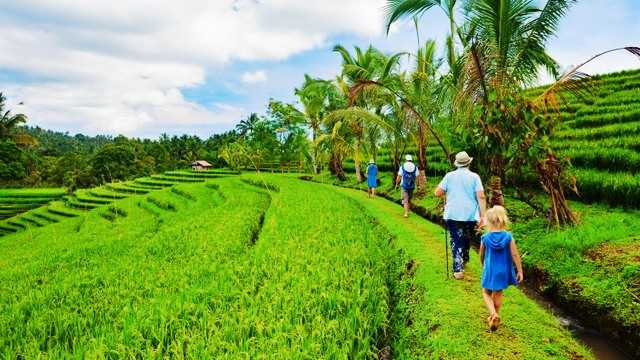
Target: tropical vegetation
column 560, row 154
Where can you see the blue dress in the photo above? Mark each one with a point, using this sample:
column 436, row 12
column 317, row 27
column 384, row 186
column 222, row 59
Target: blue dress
column 372, row 172
column 498, row 272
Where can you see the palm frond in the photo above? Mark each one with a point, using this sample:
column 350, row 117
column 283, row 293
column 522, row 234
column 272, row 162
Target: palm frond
column 359, row 115
column 574, row 81
column 391, row 64
column 320, row 139
column 360, row 87
column 536, row 33
column 400, row 9
column 346, row 57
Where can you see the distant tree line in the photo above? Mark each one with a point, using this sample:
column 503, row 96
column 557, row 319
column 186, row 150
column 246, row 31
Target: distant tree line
column 34, row 157
column 80, row 161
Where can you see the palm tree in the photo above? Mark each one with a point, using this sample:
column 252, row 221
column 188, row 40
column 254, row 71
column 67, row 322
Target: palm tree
column 362, row 66
column 9, row 125
column 503, row 46
column 412, row 100
column 247, row 125
column 315, row 95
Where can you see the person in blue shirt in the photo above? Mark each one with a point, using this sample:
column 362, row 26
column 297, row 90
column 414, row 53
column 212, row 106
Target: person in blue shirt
column 464, row 209
column 372, row 178
column 498, row 253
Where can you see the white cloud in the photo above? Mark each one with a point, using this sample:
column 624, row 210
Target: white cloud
column 255, row 77
column 120, row 66
column 123, row 66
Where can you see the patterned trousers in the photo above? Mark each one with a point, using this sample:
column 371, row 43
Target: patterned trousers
column 461, row 233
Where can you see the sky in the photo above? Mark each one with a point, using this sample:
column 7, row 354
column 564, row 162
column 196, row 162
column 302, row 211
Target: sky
column 147, row 67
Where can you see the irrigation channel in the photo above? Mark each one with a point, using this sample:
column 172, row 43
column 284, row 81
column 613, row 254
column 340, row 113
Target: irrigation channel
column 599, row 345
column 596, row 342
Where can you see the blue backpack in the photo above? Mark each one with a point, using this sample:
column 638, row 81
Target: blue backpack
column 409, row 178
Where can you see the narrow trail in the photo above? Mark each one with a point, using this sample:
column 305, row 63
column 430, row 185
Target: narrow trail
column 448, row 316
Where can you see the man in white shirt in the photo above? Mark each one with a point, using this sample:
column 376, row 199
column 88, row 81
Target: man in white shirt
column 464, row 209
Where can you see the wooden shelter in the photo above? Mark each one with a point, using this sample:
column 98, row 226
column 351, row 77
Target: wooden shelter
column 200, row 165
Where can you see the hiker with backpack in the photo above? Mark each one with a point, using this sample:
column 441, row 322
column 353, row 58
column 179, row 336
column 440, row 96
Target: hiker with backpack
column 407, row 179
column 464, row 209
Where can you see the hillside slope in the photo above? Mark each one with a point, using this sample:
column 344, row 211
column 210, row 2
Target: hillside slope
column 253, row 267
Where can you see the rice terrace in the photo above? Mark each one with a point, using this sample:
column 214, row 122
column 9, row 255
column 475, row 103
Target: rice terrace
column 287, row 235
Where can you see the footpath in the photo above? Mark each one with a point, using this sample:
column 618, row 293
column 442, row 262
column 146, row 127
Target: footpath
column 437, row 316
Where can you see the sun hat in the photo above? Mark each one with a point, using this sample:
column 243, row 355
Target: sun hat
column 462, row 159
column 409, row 158
column 371, row 162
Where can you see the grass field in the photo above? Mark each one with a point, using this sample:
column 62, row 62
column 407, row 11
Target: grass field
column 253, row 267
column 592, row 269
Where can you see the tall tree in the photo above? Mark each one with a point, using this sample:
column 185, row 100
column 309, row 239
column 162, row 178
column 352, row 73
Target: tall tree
column 9, row 126
column 361, row 66
column 505, row 49
column 246, row 126
column 316, row 96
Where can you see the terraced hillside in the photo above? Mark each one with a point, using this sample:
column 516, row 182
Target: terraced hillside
column 601, row 136
column 17, row 203
column 253, row 267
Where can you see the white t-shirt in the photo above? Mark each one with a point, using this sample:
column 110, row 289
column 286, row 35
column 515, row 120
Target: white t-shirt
column 408, row 167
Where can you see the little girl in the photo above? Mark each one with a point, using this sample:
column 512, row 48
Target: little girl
column 498, row 252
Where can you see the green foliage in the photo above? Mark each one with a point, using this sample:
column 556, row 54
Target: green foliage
column 11, row 158
column 113, row 162
column 589, row 265
column 9, row 124
column 620, row 189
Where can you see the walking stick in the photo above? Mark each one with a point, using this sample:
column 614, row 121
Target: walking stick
column 446, row 248
column 446, row 240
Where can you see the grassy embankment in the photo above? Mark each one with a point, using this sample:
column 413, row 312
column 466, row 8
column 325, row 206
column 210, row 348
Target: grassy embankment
column 592, row 270
column 16, row 201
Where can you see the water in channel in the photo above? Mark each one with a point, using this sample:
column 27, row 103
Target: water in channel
column 601, row 348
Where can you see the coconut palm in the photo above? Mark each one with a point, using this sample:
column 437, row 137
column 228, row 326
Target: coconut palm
column 361, row 66
column 413, row 98
column 247, row 125
column 316, row 96
column 9, row 126
column 503, row 49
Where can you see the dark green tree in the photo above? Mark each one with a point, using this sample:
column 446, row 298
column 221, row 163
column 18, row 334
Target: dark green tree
column 114, row 162
column 11, row 159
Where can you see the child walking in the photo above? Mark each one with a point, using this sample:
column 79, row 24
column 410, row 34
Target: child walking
column 498, row 253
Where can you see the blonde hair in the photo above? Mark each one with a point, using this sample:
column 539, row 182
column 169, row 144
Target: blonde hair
column 497, row 218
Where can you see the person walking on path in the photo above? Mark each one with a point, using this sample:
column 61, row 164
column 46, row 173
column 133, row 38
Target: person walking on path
column 407, row 177
column 464, row 209
column 372, row 178
column 498, row 253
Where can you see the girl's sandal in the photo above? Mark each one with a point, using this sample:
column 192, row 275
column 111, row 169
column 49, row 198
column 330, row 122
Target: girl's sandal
column 494, row 322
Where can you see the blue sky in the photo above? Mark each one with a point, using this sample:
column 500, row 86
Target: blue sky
column 146, row 67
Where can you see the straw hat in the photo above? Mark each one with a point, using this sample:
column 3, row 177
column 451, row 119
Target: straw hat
column 462, row 159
